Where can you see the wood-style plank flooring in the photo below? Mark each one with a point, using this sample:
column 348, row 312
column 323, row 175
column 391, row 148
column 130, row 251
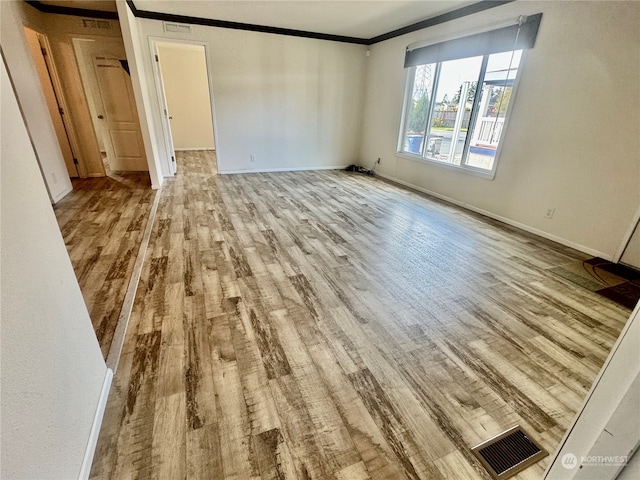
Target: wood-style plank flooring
column 102, row 221
column 325, row 325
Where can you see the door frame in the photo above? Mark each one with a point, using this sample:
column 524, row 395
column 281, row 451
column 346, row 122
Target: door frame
column 65, row 115
column 635, row 223
column 85, row 65
column 157, row 76
column 171, row 164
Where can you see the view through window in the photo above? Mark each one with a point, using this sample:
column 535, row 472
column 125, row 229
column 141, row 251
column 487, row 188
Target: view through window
column 455, row 110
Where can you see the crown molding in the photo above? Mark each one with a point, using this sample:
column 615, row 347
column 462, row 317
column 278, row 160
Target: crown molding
column 76, row 12
column 167, row 17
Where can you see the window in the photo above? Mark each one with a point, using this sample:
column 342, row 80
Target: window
column 458, row 94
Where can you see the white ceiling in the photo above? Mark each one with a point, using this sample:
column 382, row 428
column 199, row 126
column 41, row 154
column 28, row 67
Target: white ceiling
column 352, row 18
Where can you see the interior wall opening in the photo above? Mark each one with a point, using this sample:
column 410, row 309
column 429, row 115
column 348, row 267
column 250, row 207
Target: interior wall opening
column 184, row 91
column 631, row 253
column 104, row 71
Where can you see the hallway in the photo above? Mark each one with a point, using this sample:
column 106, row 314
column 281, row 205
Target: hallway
column 102, row 222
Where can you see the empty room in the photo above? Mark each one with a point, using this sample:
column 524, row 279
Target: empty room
column 320, row 239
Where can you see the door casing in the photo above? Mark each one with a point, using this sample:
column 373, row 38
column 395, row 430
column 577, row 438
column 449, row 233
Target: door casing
column 170, row 165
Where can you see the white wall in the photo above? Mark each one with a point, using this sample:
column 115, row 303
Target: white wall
column 632, row 469
column 184, row 76
column 14, row 15
column 294, row 103
column 157, row 159
column 51, row 366
column 574, row 139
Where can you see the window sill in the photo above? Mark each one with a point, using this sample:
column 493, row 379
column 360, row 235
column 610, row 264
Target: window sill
column 486, row 174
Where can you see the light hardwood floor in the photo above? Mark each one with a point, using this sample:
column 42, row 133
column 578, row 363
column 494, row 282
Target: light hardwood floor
column 326, row 325
column 102, row 221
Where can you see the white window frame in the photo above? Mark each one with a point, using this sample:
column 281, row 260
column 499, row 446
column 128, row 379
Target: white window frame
column 476, row 171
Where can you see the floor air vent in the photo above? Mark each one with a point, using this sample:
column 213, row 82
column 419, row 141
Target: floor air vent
column 508, row 453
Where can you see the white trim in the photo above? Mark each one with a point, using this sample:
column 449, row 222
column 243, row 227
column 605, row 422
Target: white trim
column 508, row 221
column 284, row 169
column 410, row 78
column 117, row 343
column 170, row 166
column 62, row 194
column 627, row 237
column 190, row 149
column 477, row 172
column 541, row 233
column 134, row 49
column 90, row 451
column 214, row 121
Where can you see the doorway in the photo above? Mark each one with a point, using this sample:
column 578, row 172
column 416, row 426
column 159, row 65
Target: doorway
column 52, row 90
column 628, row 252
column 105, row 75
column 184, row 95
column 631, row 254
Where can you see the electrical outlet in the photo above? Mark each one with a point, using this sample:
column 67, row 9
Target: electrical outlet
column 549, row 214
column 252, row 158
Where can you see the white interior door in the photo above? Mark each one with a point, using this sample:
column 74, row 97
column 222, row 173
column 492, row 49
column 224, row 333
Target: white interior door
column 166, row 115
column 122, row 136
column 39, row 54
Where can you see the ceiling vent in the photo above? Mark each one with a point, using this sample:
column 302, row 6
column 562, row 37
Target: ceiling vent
column 176, row 28
column 91, row 23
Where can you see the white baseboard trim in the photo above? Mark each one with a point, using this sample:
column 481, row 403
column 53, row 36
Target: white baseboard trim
column 62, row 194
column 285, row 169
column 500, row 218
column 190, row 149
column 87, row 461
